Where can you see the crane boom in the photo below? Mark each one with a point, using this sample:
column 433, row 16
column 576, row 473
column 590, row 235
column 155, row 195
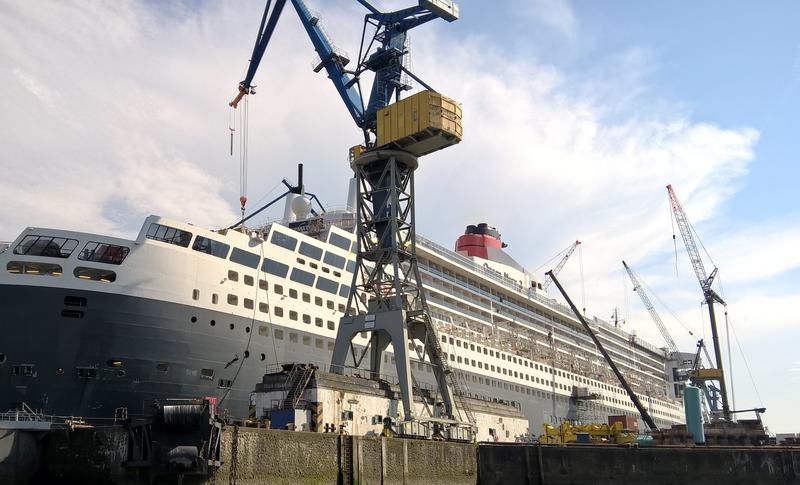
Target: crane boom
column 384, row 55
column 637, row 287
column 571, row 249
column 709, row 295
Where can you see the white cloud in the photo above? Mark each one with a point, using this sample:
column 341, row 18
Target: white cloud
column 557, row 14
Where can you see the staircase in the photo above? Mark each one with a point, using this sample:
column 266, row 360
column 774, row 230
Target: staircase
column 296, row 383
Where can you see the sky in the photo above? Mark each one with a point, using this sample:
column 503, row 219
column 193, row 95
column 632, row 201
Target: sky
column 577, row 114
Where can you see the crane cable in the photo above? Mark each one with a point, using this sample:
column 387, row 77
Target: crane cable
column 244, row 138
column 583, row 283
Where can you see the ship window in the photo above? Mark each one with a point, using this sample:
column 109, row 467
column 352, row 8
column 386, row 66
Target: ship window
column 263, row 307
column 284, row 241
column 225, row 384
column 278, row 334
column 214, row 299
column 310, row 250
column 263, row 330
column 52, row 247
column 169, row 235
column 233, row 299
column 314, row 265
column 278, row 311
column 334, row 260
column 318, row 343
column 292, row 337
column 95, row 274
column 248, row 280
column 318, row 322
column 306, row 298
column 354, row 247
column 318, row 301
column 263, row 285
column 351, row 266
column 245, row 258
column 233, row 275
column 72, row 313
column 306, row 340
column 325, row 284
column 274, row 267
column 337, row 274
column 300, row 260
column 341, row 308
column 292, row 293
column 104, row 253
column 2, row 358
column 248, row 303
column 303, row 277
column 75, row 301
column 325, row 270
column 292, row 315
column 207, row 374
column 40, row 269
column 307, row 319
column 444, row 339
column 339, row 241
column 86, row 372
column 330, row 345
column 331, row 325
column 162, row 366
column 195, row 294
column 329, row 304
column 210, row 246
column 344, row 291
column 114, row 363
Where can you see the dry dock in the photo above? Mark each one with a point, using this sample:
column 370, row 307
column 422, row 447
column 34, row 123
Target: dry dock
column 260, row 456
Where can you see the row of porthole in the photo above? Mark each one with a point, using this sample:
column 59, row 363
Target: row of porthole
column 214, row 323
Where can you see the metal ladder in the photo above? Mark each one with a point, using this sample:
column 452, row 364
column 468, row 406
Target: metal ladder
column 298, row 380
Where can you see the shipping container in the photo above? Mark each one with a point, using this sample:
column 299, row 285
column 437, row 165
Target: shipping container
column 420, row 124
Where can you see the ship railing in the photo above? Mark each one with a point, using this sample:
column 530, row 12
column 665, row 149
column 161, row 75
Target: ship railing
column 24, row 414
column 529, row 292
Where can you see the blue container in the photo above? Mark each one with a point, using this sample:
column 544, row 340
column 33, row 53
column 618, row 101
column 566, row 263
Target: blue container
column 694, row 415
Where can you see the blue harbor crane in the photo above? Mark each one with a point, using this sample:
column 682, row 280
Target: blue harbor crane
column 386, row 299
column 383, row 54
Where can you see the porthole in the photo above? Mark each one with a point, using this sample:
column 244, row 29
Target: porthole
column 194, row 319
column 232, row 326
column 60, row 371
column 246, row 354
column 2, row 358
column 121, row 373
column 213, row 323
column 263, row 357
column 246, row 329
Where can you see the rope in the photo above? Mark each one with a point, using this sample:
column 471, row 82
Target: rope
column 583, row 283
column 674, row 240
column 746, row 364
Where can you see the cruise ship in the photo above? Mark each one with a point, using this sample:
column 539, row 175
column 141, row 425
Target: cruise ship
column 94, row 324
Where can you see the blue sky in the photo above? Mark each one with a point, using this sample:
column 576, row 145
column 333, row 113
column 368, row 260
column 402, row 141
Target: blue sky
column 576, row 116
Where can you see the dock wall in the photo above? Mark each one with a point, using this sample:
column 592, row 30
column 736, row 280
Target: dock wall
column 260, row 456
column 607, row 465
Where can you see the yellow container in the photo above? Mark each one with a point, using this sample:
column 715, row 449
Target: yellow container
column 420, row 124
column 707, row 374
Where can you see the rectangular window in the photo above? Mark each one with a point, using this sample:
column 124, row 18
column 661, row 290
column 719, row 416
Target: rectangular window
column 318, row 301
column 303, row 277
column 95, row 274
column 292, row 293
column 310, row 250
column 263, row 285
column 233, row 275
column 274, row 267
column 331, row 325
column 170, row 235
column 248, row 280
column 329, row 304
column 245, row 258
column 278, row 334
column 248, row 303
column 210, row 246
column 52, row 247
column 103, row 253
column 39, row 269
column 278, row 311
column 344, row 291
column 278, row 289
column 263, row 307
column 284, row 241
column 292, row 315
column 351, row 266
column 334, row 260
column 306, row 298
column 233, row 299
column 325, row 284
column 306, row 340
column 318, row 322
column 292, row 337
column 339, row 241
column 307, row 319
